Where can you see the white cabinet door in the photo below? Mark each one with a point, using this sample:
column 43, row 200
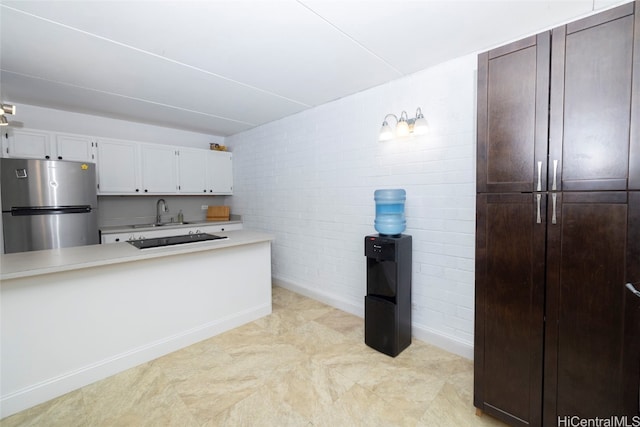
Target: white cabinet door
column 220, row 173
column 118, row 167
column 159, row 175
column 29, row 144
column 78, row 148
column 192, row 171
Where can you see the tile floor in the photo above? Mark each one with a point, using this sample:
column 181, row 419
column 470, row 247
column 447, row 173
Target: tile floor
column 304, row 365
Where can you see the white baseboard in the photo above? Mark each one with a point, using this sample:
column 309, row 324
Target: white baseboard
column 443, row 341
column 54, row 387
column 332, row 300
column 421, row 332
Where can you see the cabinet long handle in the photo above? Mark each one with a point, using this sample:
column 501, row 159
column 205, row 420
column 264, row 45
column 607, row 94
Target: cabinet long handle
column 555, row 174
column 539, row 187
column 538, row 218
column 633, row 290
column 553, row 214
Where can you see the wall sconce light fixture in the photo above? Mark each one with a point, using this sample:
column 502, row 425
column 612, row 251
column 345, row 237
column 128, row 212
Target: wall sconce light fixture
column 6, row 109
column 404, row 126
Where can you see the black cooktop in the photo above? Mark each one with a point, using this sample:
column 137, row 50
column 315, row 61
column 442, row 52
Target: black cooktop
column 174, row 240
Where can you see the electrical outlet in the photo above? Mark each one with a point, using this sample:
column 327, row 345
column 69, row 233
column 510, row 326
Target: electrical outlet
column 204, row 207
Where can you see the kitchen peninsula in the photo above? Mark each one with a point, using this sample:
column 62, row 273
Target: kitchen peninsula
column 73, row 316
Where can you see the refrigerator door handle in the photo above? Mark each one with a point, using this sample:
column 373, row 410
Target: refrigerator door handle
column 50, row 210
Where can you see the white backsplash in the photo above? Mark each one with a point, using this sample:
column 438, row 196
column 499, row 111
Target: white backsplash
column 126, row 210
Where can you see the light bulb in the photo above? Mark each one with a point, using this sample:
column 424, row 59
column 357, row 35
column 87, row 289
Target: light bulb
column 385, row 132
column 402, row 129
column 420, row 127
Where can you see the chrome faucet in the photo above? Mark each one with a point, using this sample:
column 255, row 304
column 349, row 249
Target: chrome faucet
column 161, row 204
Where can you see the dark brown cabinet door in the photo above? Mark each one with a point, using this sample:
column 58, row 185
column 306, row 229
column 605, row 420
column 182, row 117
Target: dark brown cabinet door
column 508, row 348
column 592, row 359
column 593, row 98
column 632, row 310
column 513, row 102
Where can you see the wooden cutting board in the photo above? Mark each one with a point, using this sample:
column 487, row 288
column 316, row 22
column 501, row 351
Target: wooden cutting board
column 218, row 213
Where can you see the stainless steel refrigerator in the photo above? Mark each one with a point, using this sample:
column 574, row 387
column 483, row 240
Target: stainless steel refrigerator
column 48, row 204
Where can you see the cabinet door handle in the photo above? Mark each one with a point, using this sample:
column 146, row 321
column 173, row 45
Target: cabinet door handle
column 539, row 187
column 554, row 186
column 538, row 218
column 633, row 290
column 553, row 214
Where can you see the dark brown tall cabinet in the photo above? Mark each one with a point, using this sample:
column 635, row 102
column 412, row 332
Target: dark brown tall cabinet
column 557, row 333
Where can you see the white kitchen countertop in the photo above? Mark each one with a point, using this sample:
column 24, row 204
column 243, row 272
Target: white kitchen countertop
column 27, row 264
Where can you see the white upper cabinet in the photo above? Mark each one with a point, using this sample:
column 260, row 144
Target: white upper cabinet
column 192, row 171
column 118, row 167
column 158, row 169
column 35, row 144
column 220, row 173
column 78, row 148
column 129, row 167
column 27, row 144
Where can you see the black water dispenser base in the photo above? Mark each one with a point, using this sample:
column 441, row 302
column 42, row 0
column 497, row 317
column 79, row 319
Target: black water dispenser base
column 387, row 305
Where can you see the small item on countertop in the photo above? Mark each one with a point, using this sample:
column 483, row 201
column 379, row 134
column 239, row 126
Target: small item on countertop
column 218, row 213
column 180, row 217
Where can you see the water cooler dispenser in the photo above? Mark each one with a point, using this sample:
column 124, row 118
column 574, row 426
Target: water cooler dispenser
column 387, row 305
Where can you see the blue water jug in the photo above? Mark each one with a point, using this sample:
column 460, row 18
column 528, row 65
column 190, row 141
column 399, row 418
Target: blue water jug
column 390, row 211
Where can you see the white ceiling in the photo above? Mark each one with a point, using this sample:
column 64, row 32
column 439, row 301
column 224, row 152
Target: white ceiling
column 220, row 67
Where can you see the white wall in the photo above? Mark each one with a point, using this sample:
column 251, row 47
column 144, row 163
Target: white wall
column 310, row 178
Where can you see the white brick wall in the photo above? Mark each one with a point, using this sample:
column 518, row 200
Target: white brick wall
column 309, row 179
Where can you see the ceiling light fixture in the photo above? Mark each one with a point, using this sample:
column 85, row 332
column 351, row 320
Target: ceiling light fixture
column 6, row 109
column 404, row 126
